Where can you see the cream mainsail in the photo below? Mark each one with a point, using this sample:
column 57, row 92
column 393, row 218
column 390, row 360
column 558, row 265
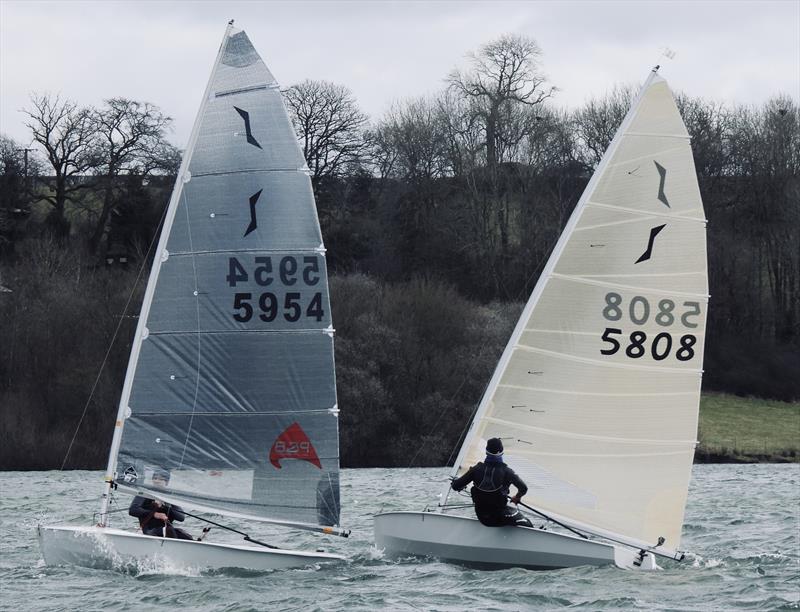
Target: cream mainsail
column 596, row 395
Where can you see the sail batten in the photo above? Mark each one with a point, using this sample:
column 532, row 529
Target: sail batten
column 676, row 215
column 589, row 280
column 232, row 388
column 612, row 337
column 624, row 366
column 566, row 434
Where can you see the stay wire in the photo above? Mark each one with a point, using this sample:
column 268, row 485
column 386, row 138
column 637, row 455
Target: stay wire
column 113, row 338
column 442, row 412
column 221, row 526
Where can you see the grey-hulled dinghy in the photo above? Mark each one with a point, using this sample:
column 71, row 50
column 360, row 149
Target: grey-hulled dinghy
column 596, row 395
column 230, row 386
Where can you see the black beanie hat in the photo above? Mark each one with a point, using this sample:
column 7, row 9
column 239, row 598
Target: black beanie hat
column 494, row 446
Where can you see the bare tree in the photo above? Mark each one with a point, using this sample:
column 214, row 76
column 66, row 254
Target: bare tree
column 129, row 140
column 504, row 72
column 65, row 132
column 413, row 130
column 12, row 189
column 330, row 127
column 766, row 143
column 598, row 120
column 461, row 131
column 709, row 124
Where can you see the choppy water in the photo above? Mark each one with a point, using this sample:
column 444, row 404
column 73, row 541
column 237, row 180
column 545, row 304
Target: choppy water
column 742, row 524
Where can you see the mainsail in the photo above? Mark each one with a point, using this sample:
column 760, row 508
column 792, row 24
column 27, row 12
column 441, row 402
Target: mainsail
column 231, row 385
column 596, row 395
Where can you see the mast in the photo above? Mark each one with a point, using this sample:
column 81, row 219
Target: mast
column 141, row 327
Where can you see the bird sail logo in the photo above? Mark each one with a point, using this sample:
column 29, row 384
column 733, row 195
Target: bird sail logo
column 293, row 443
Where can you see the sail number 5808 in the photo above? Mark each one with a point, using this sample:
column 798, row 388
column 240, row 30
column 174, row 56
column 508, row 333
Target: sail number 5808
column 639, row 311
column 660, row 345
column 665, row 313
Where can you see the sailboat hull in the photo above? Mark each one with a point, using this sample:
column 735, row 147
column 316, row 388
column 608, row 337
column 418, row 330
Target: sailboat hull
column 106, row 548
column 465, row 541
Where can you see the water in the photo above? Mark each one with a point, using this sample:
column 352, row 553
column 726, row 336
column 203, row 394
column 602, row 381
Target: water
column 742, row 523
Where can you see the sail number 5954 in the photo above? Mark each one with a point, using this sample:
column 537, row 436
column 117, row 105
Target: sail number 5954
column 269, row 307
column 268, row 303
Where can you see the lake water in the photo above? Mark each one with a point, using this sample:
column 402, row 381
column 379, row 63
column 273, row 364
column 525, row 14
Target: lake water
column 742, row 528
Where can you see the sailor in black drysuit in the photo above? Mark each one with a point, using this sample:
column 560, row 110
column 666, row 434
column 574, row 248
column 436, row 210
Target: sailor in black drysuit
column 155, row 517
column 490, row 481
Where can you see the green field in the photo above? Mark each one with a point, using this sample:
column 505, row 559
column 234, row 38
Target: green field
column 747, row 429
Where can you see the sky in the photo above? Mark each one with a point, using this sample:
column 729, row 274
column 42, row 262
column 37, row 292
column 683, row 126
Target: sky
column 162, row 52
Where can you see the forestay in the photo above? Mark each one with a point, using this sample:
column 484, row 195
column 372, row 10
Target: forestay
column 232, row 388
column 596, row 396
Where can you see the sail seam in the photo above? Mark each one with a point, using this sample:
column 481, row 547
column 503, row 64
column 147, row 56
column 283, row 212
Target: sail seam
column 242, row 413
column 645, row 328
column 242, row 331
column 569, row 434
column 648, row 275
column 636, row 219
column 654, row 134
column 300, row 170
column 643, row 213
column 622, row 455
column 314, row 250
column 231, row 92
column 594, row 394
column 633, row 160
column 588, row 281
column 622, row 366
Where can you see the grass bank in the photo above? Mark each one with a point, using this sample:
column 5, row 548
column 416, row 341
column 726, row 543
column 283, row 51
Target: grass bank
column 747, row 430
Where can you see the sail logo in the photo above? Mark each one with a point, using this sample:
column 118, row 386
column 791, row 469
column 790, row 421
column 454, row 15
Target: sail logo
column 248, row 132
column 293, row 443
column 253, row 220
column 662, row 175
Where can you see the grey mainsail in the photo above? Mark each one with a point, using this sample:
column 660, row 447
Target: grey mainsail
column 231, row 387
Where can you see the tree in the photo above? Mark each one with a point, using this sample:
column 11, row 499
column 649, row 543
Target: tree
column 766, row 143
column 412, row 136
column 129, row 140
column 330, row 127
column 598, row 121
column 65, row 131
column 15, row 166
column 505, row 72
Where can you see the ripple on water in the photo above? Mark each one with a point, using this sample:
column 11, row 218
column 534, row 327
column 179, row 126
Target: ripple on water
column 745, row 556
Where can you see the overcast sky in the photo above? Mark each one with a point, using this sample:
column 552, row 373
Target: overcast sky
column 161, row 52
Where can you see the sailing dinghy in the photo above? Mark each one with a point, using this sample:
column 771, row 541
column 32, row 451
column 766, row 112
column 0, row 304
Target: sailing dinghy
column 230, row 386
column 596, row 395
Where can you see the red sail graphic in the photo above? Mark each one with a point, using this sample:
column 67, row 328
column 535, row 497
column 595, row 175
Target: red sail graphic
column 293, row 443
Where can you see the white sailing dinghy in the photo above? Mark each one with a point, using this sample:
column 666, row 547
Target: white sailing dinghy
column 230, row 385
column 596, row 395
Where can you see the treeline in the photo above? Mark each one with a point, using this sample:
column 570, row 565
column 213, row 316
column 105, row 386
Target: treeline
column 438, row 218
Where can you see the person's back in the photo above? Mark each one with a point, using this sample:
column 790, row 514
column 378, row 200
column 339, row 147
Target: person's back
column 491, row 480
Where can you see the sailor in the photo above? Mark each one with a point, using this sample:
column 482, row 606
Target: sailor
column 490, row 488
column 156, row 517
